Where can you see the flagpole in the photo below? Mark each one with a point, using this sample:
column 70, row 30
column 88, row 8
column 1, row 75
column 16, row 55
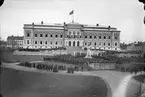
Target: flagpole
column 73, row 17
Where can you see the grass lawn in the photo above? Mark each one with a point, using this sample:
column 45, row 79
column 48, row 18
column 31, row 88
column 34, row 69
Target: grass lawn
column 134, row 86
column 16, row 83
column 8, row 56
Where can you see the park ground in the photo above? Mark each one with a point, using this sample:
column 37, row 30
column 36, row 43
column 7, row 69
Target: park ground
column 26, row 82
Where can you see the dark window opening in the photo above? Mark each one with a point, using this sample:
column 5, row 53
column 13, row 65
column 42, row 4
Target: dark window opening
column 40, row 42
column 104, row 37
column 27, row 41
column 90, row 37
column 46, row 35
column 108, row 44
column 56, row 36
column 35, row 42
column 78, row 43
column 109, row 37
column 95, row 43
column 99, row 37
column 41, row 35
column 28, row 35
column 74, row 43
column 104, row 44
column 35, row 35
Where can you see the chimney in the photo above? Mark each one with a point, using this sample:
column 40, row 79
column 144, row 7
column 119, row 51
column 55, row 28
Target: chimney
column 109, row 27
column 33, row 24
column 41, row 22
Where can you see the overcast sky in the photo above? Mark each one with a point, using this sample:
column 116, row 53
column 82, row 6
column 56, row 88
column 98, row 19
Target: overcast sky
column 125, row 15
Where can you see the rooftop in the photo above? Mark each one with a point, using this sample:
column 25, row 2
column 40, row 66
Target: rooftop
column 15, row 37
column 61, row 26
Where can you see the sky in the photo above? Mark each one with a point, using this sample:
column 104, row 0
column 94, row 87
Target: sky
column 126, row 15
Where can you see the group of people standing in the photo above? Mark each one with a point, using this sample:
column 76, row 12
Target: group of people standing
column 48, row 67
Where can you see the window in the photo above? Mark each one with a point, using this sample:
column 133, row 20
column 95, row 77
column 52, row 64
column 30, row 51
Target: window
column 73, row 43
column 109, row 37
column 35, row 35
column 78, row 43
column 116, row 37
column 95, row 43
column 56, row 43
column 104, row 43
column 69, row 32
column 28, row 35
column 27, row 41
column 56, row 36
column 51, row 43
column 85, row 36
column 46, row 35
column 61, row 36
column 108, row 44
column 41, row 35
column 69, row 43
column 51, row 35
column 85, row 43
column 35, row 42
column 99, row 37
column 104, row 37
column 40, row 42
column 115, row 44
column 115, row 48
column 95, row 37
column 45, row 42
column 73, row 32
column 78, row 33
column 90, row 37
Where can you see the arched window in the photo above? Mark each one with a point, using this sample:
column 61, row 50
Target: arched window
column 73, row 43
column 69, row 43
column 78, row 43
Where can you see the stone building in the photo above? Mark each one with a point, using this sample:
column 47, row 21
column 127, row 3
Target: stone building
column 71, row 35
column 15, row 41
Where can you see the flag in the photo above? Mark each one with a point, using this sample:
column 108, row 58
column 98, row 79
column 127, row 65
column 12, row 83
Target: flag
column 72, row 12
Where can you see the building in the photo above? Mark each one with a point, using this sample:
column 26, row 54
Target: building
column 140, row 47
column 71, row 35
column 15, row 41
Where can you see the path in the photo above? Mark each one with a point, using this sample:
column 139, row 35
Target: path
column 118, row 81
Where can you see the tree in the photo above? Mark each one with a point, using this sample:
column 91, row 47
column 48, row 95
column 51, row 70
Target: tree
column 143, row 1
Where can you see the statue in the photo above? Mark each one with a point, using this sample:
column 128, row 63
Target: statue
column 89, row 52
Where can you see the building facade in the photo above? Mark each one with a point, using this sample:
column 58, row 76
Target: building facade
column 70, row 35
column 15, row 41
